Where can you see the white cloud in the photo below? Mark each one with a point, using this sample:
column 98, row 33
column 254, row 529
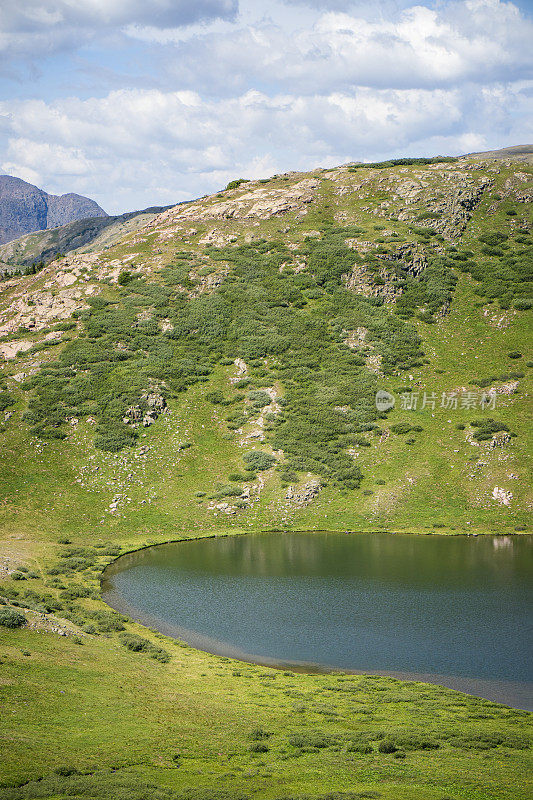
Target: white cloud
column 32, row 27
column 477, row 40
column 278, row 89
column 136, row 148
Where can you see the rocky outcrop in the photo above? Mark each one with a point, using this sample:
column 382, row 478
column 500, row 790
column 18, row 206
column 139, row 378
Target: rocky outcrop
column 457, row 209
column 502, row 496
column 410, row 257
column 257, row 203
column 361, row 281
column 305, row 494
column 25, row 208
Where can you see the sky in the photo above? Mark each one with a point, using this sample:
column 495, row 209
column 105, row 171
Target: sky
column 150, row 102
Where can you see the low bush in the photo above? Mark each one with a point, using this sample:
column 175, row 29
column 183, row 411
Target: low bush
column 236, row 183
column 9, row 618
column 401, row 428
column 125, row 277
column 259, row 398
column 259, row 733
column 6, row 400
column 259, row 747
column 387, row 746
column 258, row 461
column 486, row 428
column 136, row 644
column 311, row 741
column 228, row 491
column 404, row 162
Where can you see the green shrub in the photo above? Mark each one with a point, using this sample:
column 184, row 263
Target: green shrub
column 387, row 746
column 9, row 618
column 401, row 428
column 360, row 747
column 259, row 733
column 312, row 741
column 125, row 277
column 136, row 644
column 236, row 183
column 259, row 747
column 258, row 461
column 228, row 491
column 415, row 742
column 6, row 400
column 400, row 162
column 259, row 398
column 216, row 397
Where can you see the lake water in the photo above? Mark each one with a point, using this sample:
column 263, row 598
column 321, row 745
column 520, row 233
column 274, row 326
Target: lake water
column 453, row 610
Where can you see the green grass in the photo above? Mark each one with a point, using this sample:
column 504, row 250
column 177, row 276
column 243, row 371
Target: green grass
column 79, row 707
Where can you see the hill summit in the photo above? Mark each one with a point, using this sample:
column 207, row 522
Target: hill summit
column 25, row 208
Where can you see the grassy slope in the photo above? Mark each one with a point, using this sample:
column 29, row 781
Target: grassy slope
column 97, row 706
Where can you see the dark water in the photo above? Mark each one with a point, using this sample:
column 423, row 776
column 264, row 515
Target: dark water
column 450, row 610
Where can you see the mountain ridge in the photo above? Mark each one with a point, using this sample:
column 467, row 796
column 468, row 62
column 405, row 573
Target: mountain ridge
column 25, row 208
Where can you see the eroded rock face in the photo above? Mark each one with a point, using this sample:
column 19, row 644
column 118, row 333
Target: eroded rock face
column 360, row 280
column 11, row 349
column 41, row 309
column 156, row 405
column 411, row 257
column 457, row 210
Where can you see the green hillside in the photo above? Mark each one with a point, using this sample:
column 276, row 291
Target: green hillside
column 215, row 372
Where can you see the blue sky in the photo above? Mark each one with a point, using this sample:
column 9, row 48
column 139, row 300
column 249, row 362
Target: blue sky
column 143, row 102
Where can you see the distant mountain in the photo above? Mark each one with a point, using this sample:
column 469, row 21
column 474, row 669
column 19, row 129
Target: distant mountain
column 91, row 233
column 25, row 208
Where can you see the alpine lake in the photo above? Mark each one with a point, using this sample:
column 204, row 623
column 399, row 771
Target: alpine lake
column 450, row 610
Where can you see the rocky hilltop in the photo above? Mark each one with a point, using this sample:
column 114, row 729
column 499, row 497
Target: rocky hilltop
column 25, row 208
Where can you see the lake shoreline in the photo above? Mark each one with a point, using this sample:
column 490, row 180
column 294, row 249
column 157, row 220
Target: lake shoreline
column 515, row 693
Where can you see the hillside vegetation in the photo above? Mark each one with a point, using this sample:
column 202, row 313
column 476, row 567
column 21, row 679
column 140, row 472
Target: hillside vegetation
column 214, row 372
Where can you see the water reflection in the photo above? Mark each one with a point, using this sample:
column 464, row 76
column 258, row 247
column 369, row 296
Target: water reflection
column 456, row 606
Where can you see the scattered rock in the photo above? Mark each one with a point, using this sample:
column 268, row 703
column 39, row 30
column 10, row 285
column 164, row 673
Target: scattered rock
column 305, row 494
column 502, row 496
column 500, row 440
